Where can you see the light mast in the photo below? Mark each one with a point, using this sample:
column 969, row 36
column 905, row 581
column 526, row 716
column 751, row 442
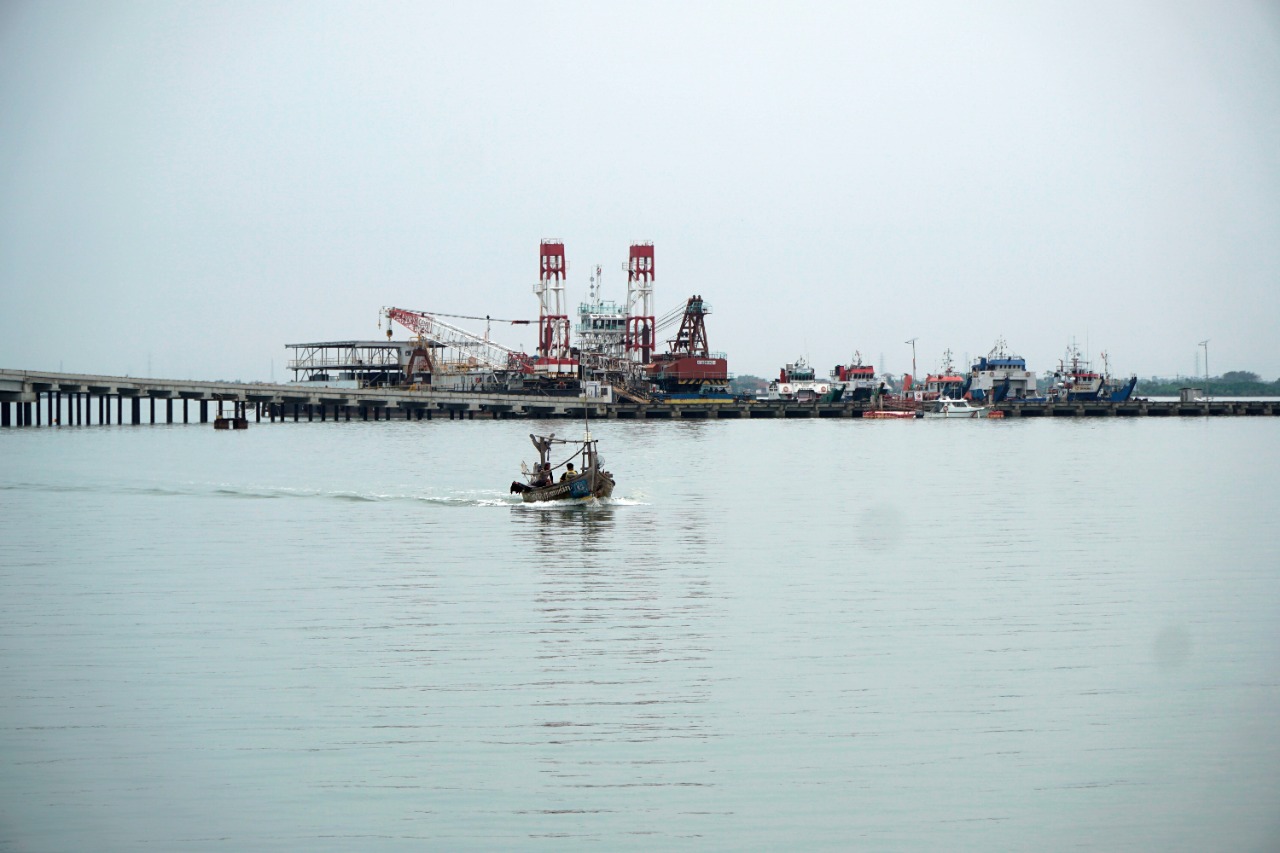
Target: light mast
column 554, row 354
column 640, row 322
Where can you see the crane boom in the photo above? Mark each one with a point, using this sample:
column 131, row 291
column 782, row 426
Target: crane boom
column 468, row 347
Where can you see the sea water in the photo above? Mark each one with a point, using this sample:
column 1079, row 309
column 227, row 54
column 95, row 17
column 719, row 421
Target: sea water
column 881, row 635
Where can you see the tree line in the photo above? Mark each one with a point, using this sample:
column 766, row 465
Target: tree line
column 1233, row 383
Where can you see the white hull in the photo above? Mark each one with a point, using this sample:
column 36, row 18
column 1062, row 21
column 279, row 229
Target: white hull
column 954, row 409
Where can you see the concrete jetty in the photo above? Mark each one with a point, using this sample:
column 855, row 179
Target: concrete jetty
column 40, row 398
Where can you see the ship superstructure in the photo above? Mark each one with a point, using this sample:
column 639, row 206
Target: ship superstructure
column 797, row 381
column 1076, row 381
column 859, row 380
column 998, row 376
column 601, row 336
column 946, row 382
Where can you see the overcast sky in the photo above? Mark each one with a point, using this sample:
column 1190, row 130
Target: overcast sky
column 187, row 187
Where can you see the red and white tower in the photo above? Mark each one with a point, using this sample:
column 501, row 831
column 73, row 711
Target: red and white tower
column 640, row 324
column 553, row 321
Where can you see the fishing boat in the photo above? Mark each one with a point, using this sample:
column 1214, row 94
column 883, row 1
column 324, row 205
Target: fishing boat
column 583, row 484
column 947, row 407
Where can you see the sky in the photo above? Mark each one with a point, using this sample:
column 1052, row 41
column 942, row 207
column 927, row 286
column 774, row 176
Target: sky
column 185, row 187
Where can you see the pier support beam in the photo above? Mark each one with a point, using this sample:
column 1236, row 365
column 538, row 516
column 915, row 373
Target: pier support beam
column 168, row 410
column 4, row 414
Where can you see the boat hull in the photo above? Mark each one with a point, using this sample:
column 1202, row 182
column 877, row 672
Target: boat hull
column 954, row 409
column 585, row 486
column 973, row 414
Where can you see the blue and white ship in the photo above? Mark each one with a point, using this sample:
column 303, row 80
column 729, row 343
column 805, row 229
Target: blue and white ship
column 999, row 376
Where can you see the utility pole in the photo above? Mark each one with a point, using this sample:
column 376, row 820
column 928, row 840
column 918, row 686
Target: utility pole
column 1205, row 344
column 913, row 361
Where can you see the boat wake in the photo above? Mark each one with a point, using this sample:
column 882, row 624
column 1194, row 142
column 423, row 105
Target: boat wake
column 486, row 498
column 584, row 503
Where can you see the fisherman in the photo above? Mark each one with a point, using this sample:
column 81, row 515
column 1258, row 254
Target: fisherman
column 569, row 473
column 541, row 475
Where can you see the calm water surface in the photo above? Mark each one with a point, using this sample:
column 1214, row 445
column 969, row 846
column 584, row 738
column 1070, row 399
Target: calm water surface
column 1019, row 635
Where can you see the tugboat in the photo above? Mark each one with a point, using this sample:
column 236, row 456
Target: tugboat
column 540, row 483
column 1076, row 381
column 859, row 379
column 796, row 382
column 946, row 383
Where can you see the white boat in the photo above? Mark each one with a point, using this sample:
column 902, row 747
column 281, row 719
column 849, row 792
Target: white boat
column 947, row 407
column 797, row 383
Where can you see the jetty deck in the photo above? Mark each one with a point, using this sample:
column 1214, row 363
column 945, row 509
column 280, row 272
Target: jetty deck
column 40, row 398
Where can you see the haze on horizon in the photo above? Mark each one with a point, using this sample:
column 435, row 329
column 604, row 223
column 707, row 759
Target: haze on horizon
column 187, row 187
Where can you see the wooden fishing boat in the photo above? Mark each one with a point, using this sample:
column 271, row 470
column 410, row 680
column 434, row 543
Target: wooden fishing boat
column 591, row 481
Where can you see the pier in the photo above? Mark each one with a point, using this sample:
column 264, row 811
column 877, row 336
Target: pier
column 31, row 398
